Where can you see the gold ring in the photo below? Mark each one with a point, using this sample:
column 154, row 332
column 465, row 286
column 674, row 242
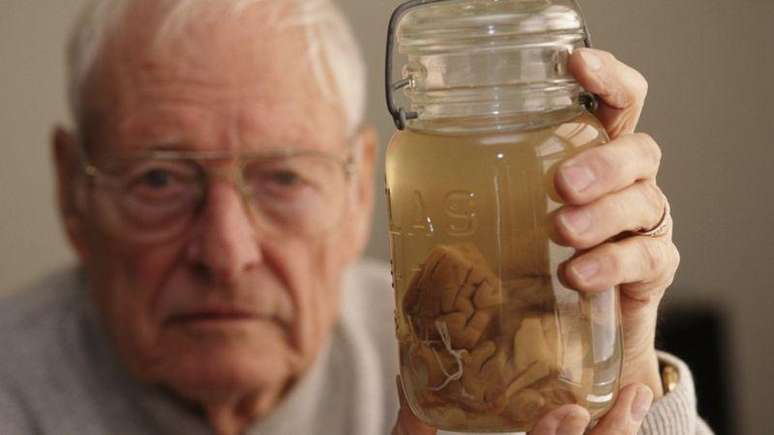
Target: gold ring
column 662, row 227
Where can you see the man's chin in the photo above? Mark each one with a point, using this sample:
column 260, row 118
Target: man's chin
column 215, row 360
column 224, row 377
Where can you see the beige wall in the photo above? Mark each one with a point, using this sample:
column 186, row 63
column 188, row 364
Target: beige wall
column 710, row 64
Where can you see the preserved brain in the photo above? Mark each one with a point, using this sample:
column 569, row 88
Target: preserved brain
column 454, row 288
column 480, row 345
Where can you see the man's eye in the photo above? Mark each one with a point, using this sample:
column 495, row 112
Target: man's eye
column 278, row 184
column 159, row 183
column 285, row 178
column 157, row 178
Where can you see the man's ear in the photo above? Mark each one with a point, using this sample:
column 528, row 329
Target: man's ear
column 368, row 141
column 64, row 147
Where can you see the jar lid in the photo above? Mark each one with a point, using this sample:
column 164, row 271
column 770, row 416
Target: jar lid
column 475, row 59
column 442, row 23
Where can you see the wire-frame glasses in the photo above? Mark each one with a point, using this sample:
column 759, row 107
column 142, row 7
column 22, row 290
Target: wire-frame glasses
column 152, row 196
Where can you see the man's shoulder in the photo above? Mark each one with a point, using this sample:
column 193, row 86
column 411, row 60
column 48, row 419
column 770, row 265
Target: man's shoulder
column 368, row 304
column 368, row 329
column 33, row 321
column 33, row 336
column 368, row 292
column 34, row 307
column 370, row 275
column 368, row 310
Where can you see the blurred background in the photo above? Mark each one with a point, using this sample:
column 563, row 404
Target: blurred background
column 710, row 64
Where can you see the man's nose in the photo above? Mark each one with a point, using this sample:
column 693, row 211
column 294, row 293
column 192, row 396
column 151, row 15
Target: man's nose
column 225, row 243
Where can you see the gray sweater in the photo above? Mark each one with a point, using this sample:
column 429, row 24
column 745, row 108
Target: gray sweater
column 59, row 374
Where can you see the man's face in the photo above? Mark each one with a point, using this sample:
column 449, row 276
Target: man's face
column 225, row 307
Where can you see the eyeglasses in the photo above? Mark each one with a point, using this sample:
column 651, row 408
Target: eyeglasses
column 154, row 196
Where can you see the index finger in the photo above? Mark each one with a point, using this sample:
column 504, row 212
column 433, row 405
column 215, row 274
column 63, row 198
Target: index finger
column 597, row 172
column 622, row 89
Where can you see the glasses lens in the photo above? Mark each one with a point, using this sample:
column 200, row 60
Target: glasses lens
column 303, row 193
column 149, row 199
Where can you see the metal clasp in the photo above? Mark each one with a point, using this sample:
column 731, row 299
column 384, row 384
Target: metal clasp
column 399, row 115
column 587, row 99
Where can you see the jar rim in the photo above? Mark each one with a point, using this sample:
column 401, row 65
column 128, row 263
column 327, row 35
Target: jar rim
column 450, row 22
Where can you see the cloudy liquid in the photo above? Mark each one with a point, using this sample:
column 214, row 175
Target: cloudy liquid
column 489, row 338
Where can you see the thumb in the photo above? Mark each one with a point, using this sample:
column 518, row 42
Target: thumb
column 626, row 416
column 621, row 88
column 408, row 423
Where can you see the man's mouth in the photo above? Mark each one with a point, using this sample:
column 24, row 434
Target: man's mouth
column 214, row 316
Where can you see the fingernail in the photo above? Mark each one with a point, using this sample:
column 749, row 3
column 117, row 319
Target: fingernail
column 592, row 61
column 573, row 423
column 641, row 404
column 576, row 221
column 577, row 177
column 586, row 269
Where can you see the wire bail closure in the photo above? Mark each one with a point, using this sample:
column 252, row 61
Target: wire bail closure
column 399, row 115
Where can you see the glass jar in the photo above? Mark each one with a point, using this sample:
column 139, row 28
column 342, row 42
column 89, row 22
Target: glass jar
column 490, row 338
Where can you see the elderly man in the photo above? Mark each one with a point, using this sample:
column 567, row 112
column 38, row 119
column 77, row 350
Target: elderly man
column 217, row 190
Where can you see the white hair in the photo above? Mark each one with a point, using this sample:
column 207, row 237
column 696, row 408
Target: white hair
column 331, row 48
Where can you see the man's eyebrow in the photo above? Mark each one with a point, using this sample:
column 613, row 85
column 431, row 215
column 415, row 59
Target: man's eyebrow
column 156, row 146
column 168, row 146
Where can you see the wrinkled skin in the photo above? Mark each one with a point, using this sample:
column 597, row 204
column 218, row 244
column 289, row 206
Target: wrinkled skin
column 226, row 316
